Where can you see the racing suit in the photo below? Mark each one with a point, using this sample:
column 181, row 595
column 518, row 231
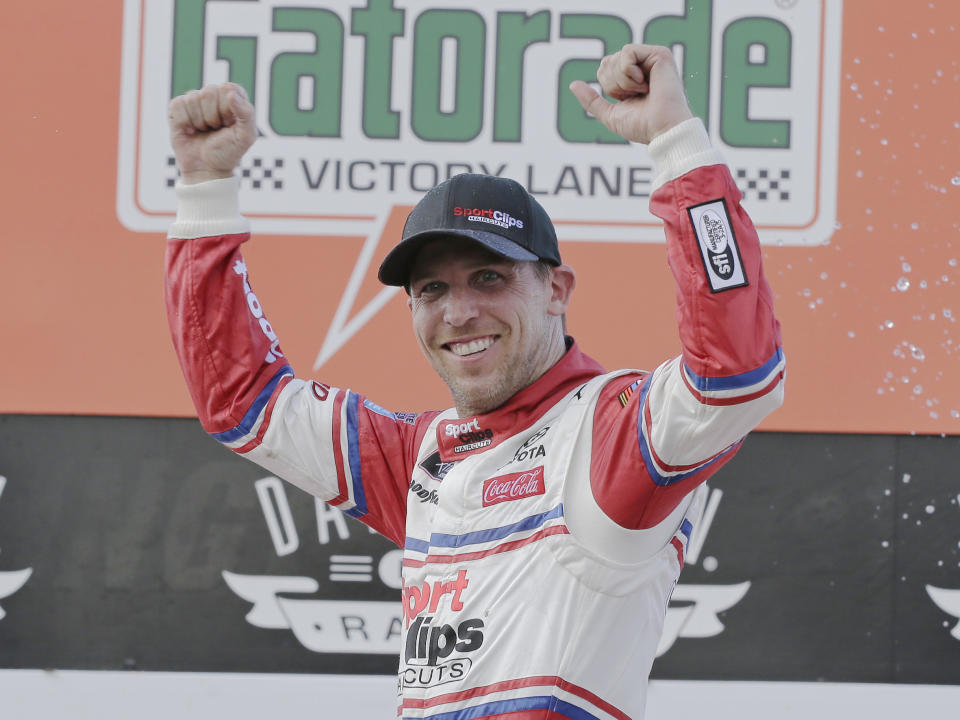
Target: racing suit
column 541, row 541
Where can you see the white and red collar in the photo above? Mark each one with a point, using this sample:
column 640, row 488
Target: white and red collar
column 462, row 437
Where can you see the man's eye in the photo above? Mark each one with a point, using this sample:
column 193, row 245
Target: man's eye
column 431, row 288
column 489, row 276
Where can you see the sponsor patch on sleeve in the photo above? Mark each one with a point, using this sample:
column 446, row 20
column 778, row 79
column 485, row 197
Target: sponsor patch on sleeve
column 718, row 245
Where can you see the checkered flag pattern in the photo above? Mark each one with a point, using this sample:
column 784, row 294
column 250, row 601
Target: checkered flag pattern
column 764, row 184
column 256, row 173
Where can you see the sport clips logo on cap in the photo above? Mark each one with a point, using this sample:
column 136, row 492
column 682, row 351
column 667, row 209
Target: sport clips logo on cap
column 493, row 217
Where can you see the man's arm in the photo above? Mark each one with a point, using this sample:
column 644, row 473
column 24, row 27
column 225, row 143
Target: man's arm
column 690, row 415
column 332, row 443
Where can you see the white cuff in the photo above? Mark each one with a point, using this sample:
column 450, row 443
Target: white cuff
column 207, row 209
column 679, row 150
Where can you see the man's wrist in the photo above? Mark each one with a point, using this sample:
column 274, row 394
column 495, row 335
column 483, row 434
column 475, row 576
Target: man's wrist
column 201, row 176
column 680, row 149
column 208, row 208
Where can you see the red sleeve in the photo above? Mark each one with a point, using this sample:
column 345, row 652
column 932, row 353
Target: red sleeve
column 658, row 436
column 333, row 443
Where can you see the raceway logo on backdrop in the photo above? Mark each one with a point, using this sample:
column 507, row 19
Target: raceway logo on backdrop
column 363, row 105
column 296, row 603
column 315, row 610
column 11, row 581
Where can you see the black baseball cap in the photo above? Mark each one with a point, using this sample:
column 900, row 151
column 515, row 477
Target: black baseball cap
column 495, row 212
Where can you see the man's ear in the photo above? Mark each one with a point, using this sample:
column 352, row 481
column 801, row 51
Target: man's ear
column 562, row 281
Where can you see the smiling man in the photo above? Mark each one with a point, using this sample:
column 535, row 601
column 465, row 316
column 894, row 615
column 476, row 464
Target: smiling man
column 544, row 519
column 486, row 309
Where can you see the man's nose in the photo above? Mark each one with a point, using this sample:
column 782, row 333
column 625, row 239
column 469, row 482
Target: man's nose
column 460, row 307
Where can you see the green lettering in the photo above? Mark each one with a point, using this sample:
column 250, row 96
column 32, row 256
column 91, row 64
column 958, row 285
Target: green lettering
column 739, row 75
column 241, row 54
column 573, row 124
column 465, row 121
column 324, row 66
column 692, row 31
column 379, row 23
column 516, row 31
column 188, row 24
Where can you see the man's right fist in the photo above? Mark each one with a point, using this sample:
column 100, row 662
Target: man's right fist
column 210, row 130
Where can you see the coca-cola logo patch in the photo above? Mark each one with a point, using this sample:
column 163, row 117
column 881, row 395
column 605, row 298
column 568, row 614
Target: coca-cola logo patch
column 514, row 486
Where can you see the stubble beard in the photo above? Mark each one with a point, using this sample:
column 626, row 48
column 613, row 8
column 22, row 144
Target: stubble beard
column 478, row 398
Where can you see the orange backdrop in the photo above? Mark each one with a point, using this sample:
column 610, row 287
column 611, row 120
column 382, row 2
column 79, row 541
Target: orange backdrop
column 84, row 330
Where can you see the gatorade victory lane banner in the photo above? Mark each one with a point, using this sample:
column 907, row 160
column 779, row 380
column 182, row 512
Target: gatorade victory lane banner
column 840, row 122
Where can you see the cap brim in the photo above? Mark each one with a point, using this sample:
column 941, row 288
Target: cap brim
column 395, row 268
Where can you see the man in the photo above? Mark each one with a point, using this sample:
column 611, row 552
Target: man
column 544, row 519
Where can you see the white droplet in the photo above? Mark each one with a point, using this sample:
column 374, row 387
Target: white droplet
column 906, row 479
column 806, row 292
column 710, row 563
column 914, row 226
column 851, row 334
column 952, row 262
column 823, row 276
column 934, row 414
column 889, row 324
column 917, row 389
column 906, row 267
column 955, row 180
column 955, row 414
column 923, row 284
column 883, row 141
column 930, row 509
column 885, row 543
column 888, row 491
column 947, row 312
column 903, row 284
column 917, row 353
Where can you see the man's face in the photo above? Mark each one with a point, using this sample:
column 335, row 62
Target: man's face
column 488, row 325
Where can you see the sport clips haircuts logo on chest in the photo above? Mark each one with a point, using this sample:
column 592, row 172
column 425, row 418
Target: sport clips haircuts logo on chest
column 470, row 435
column 429, row 644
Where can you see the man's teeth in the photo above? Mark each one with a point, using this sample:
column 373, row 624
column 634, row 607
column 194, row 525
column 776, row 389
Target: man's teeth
column 474, row 346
